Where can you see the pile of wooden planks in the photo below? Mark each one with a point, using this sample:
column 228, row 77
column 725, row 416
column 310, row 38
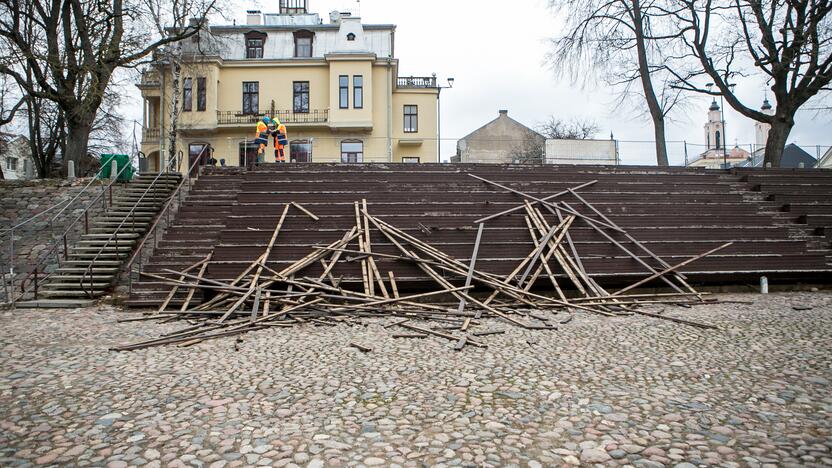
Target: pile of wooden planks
column 262, row 297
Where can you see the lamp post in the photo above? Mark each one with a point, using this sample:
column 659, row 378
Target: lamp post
column 722, row 116
column 439, row 115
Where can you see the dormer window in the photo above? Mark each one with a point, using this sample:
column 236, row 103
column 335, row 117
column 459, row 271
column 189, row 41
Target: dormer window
column 303, row 43
column 351, row 37
column 255, row 40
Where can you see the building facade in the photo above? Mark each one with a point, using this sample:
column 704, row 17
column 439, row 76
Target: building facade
column 335, row 86
column 16, row 157
column 501, row 141
column 582, row 152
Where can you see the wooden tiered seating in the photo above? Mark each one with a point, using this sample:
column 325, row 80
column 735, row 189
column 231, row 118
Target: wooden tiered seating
column 677, row 213
column 805, row 194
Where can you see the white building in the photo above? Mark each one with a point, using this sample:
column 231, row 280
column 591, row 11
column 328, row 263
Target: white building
column 583, row 152
column 16, row 157
column 826, row 160
column 716, row 155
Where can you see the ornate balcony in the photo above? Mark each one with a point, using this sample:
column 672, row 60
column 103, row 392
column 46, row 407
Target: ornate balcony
column 150, row 79
column 239, row 118
column 150, row 135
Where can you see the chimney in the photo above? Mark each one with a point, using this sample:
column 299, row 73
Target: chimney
column 504, row 112
column 254, row 18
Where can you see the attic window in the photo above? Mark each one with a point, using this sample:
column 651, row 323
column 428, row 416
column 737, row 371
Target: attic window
column 303, row 43
column 350, row 37
column 254, row 44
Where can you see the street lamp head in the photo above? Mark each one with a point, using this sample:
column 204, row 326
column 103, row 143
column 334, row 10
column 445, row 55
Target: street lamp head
column 450, row 82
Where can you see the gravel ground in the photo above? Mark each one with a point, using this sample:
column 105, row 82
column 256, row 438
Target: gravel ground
column 624, row 391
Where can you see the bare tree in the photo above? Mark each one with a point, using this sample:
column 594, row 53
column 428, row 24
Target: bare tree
column 789, row 42
column 530, row 150
column 575, row 129
column 77, row 47
column 623, row 42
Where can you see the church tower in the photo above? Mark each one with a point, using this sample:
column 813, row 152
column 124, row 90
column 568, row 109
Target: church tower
column 713, row 129
column 761, row 129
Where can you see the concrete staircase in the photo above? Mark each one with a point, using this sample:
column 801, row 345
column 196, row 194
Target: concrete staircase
column 109, row 240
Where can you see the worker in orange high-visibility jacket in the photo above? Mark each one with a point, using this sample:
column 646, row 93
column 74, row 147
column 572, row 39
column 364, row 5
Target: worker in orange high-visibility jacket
column 281, row 139
column 262, row 138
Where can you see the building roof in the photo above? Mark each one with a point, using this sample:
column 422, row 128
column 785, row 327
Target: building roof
column 793, row 155
column 714, row 106
column 503, row 115
column 238, row 28
column 826, row 159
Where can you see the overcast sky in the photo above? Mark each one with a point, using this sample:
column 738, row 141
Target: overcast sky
column 496, row 52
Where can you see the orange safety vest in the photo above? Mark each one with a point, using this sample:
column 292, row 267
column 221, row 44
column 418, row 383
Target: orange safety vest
column 281, row 141
column 262, row 130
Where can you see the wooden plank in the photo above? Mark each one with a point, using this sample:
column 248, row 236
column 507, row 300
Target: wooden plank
column 471, row 265
column 547, row 203
column 305, row 211
column 672, row 269
column 173, row 291
column 198, row 280
column 518, row 208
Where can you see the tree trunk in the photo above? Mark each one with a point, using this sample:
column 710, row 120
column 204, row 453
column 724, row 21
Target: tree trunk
column 661, row 144
column 173, row 121
column 656, row 111
column 776, row 142
column 77, row 139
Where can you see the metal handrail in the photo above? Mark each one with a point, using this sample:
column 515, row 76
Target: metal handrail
column 63, row 237
column 32, row 218
column 70, row 202
column 165, row 211
column 115, row 233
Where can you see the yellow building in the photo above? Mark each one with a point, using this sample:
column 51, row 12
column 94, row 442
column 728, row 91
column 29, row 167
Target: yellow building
column 335, row 86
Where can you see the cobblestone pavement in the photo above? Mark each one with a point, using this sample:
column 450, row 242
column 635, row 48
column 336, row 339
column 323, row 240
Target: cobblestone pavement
column 625, row 391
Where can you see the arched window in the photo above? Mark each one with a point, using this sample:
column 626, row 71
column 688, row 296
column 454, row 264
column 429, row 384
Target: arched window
column 352, row 151
column 718, row 140
column 300, row 151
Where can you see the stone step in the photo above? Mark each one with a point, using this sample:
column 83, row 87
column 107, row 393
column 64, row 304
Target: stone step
column 124, row 230
column 72, row 285
column 125, row 235
column 82, row 270
column 116, row 223
column 54, row 304
column 79, row 293
column 85, row 262
column 101, row 255
column 94, row 248
column 98, row 278
column 103, row 241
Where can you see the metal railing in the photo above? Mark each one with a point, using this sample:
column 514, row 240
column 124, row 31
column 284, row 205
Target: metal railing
column 165, row 213
column 115, row 235
column 63, row 240
column 10, row 285
column 285, row 116
column 417, row 82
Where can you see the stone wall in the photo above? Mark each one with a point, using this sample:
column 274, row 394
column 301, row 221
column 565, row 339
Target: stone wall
column 20, row 200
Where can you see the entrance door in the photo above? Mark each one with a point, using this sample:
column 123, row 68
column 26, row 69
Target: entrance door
column 248, row 153
column 300, row 151
column 198, row 150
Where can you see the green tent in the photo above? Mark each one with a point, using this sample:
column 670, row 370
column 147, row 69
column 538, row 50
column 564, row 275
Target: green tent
column 122, row 160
